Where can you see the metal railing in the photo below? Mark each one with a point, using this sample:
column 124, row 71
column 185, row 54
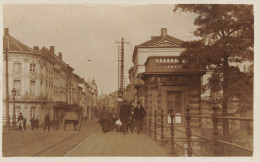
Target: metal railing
column 193, row 142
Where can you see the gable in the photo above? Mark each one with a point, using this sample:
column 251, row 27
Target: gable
column 164, row 43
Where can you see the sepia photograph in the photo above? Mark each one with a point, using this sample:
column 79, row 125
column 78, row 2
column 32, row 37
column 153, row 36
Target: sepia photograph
column 128, row 80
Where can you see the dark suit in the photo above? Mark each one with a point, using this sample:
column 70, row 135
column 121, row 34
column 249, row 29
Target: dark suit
column 139, row 114
column 125, row 113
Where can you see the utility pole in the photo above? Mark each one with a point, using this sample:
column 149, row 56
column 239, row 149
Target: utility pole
column 121, row 82
column 7, row 91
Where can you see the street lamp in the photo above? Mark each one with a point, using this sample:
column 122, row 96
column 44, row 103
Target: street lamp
column 14, row 117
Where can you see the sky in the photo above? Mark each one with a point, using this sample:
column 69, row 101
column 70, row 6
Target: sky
column 89, row 32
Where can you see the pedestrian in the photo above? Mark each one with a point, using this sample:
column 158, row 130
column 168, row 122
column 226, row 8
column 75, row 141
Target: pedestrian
column 47, row 122
column 132, row 122
column 24, row 124
column 104, row 120
column 37, row 123
column 20, row 122
column 125, row 113
column 139, row 114
column 33, row 122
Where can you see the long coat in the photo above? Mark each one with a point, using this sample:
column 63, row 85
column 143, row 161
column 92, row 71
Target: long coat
column 139, row 113
column 125, row 112
column 104, row 120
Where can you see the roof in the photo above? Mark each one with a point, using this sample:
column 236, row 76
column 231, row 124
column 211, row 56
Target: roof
column 15, row 45
column 155, row 39
column 161, row 41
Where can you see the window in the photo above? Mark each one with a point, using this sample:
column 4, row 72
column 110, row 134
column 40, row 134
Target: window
column 32, row 113
column 33, row 68
column 175, row 102
column 41, row 69
column 17, row 67
column 32, row 88
column 17, row 110
column 41, row 88
column 17, row 86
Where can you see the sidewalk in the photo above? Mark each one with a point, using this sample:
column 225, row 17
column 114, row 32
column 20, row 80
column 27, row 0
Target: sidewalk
column 116, row 144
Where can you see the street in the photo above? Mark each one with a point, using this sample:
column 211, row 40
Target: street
column 44, row 143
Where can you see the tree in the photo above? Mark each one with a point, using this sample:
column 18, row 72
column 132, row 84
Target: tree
column 226, row 37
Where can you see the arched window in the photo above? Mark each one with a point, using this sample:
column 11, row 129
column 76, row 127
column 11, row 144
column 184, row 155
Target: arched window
column 33, row 68
column 17, row 67
column 32, row 88
column 17, row 86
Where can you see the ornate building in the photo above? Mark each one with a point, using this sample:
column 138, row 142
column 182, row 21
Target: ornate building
column 43, row 81
column 162, row 80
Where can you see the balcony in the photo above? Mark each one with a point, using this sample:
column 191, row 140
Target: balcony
column 30, row 98
column 168, row 64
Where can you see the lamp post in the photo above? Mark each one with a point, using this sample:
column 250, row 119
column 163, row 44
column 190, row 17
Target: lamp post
column 14, row 117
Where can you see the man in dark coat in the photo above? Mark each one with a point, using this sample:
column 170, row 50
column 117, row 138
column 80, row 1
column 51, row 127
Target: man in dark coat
column 139, row 114
column 125, row 112
column 47, row 122
column 33, row 123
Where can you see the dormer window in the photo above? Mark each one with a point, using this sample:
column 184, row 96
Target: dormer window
column 33, row 68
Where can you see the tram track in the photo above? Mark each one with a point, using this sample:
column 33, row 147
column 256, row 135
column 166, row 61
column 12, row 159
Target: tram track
column 44, row 145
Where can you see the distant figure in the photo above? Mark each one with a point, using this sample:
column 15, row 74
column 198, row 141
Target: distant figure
column 24, row 124
column 37, row 123
column 20, row 122
column 139, row 114
column 104, row 120
column 47, row 122
column 33, row 123
column 125, row 112
column 132, row 122
column 114, row 118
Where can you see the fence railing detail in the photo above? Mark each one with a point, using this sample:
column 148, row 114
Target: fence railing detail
column 190, row 140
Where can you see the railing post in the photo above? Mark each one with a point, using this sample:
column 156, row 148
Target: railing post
column 162, row 128
column 155, row 124
column 150, row 122
column 172, row 132
column 188, row 131
column 216, row 148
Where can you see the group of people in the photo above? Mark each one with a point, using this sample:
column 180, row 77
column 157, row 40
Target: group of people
column 34, row 123
column 128, row 117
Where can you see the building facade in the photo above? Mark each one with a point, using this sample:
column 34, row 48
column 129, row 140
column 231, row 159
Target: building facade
column 162, row 80
column 43, row 81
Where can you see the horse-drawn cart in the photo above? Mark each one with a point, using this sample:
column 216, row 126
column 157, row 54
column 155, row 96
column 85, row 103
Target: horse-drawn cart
column 73, row 116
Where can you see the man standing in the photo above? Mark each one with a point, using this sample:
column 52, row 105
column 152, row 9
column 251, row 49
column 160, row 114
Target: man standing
column 47, row 122
column 20, row 122
column 125, row 113
column 139, row 114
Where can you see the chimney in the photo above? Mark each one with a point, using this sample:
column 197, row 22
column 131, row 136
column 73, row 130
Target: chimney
column 36, row 48
column 6, row 31
column 163, row 32
column 52, row 49
column 60, row 55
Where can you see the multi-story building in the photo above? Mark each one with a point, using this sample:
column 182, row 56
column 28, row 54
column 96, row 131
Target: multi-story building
column 43, row 81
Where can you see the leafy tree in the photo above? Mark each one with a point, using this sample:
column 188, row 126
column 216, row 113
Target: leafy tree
column 226, row 37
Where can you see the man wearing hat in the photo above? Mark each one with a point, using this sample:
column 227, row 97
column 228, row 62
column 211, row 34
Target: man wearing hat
column 139, row 114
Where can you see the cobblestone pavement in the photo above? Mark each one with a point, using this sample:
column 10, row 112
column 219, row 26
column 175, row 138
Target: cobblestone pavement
column 117, row 144
column 44, row 143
